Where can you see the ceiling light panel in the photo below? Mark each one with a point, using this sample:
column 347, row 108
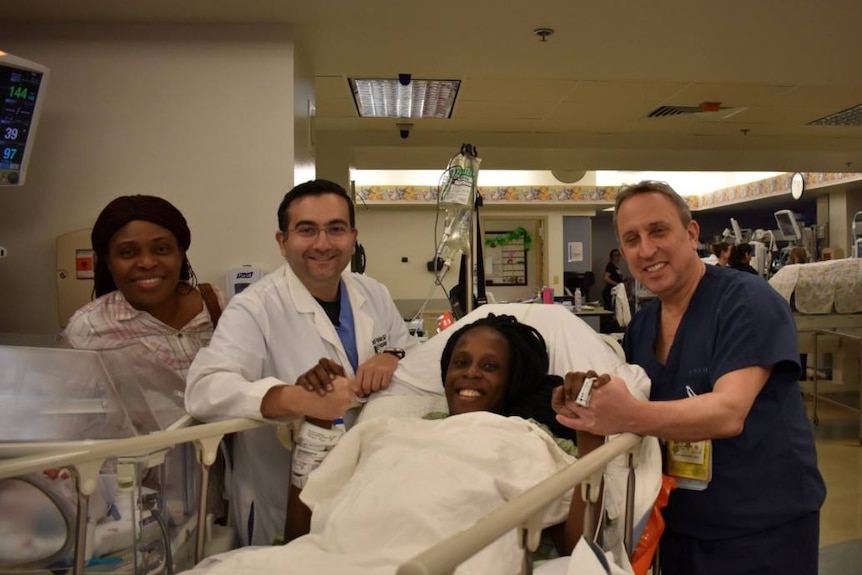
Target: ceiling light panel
column 849, row 117
column 377, row 98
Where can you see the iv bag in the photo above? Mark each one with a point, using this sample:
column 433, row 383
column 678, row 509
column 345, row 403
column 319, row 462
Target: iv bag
column 457, row 196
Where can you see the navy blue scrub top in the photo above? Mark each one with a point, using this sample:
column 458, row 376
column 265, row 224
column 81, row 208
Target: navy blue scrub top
column 768, row 474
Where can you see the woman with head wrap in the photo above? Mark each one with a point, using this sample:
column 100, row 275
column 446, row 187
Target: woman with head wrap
column 145, row 288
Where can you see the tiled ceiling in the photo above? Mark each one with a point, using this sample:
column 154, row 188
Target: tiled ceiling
column 579, row 100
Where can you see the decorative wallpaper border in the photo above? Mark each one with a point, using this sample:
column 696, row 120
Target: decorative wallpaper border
column 602, row 195
column 514, row 194
column 768, row 187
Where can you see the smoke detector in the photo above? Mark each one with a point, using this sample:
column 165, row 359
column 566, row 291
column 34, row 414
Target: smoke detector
column 543, row 33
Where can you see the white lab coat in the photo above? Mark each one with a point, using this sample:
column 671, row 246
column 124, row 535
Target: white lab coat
column 269, row 335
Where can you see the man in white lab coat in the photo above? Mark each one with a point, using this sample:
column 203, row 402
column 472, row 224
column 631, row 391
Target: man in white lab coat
column 300, row 324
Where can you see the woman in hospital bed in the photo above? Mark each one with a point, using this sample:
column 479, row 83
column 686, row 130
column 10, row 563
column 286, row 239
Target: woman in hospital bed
column 396, row 485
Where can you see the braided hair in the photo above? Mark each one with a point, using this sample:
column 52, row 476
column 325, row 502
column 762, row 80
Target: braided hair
column 528, row 393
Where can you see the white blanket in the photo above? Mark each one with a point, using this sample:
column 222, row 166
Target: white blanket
column 393, row 487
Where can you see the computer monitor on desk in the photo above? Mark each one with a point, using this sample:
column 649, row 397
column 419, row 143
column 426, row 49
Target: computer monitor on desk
column 583, row 280
column 737, row 232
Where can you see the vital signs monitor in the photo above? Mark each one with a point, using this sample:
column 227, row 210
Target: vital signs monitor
column 22, row 85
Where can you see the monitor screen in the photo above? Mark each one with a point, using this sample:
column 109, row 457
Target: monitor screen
column 788, row 225
column 737, row 232
column 22, row 86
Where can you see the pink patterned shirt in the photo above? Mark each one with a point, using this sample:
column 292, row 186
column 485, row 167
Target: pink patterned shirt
column 110, row 322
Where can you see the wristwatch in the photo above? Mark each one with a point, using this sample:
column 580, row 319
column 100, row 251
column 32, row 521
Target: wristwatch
column 396, row 351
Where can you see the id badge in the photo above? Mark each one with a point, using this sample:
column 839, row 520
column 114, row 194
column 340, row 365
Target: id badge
column 690, row 462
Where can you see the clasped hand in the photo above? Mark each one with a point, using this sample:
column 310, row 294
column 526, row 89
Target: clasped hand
column 607, row 408
column 373, row 375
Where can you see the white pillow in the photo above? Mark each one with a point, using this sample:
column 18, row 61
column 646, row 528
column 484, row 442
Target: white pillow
column 572, row 346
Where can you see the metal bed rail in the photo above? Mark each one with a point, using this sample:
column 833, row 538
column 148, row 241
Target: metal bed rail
column 525, row 512
column 815, row 381
column 86, row 461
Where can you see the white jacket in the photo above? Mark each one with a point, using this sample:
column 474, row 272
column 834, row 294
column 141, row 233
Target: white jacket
column 269, row 335
column 622, row 313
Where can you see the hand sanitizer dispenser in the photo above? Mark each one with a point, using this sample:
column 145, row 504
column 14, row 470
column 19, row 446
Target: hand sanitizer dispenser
column 240, row 278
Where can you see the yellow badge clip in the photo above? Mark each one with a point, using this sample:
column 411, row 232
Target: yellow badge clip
column 690, row 461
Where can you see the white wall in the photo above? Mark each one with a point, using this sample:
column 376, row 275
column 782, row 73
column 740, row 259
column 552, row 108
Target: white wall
column 303, row 110
column 201, row 115
column 389, row 233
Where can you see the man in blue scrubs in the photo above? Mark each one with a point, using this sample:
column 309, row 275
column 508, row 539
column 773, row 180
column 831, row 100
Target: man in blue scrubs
column 720, row 348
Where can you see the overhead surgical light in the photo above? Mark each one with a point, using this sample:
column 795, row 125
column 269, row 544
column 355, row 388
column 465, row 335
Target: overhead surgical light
column 393, row 98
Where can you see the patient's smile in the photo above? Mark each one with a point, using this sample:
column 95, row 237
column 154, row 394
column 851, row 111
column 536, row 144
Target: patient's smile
column 478, row 372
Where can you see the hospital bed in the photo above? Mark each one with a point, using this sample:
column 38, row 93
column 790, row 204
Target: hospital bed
column 524, row 513
column 573, row 346
column 416, row 389
column 444, row 558
column 826, row 298
column 88, row 470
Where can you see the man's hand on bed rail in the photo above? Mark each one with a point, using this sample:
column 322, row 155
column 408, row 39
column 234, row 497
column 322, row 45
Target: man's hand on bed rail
column 319, row 378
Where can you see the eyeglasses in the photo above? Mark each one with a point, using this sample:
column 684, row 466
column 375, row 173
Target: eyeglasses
column 308, row 231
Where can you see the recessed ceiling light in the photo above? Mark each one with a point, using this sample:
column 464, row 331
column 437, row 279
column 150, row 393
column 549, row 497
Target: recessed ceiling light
column 390, row 98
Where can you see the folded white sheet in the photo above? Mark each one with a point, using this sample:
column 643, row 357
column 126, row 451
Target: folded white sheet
column 832, row 286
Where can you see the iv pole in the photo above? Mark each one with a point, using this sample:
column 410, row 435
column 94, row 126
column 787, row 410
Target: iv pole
column 475, row 202
column 470, row 256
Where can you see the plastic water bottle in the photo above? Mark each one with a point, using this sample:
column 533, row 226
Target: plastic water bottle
column 579, row 304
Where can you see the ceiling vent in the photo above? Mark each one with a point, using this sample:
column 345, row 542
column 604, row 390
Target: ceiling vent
column 849, row 117
column 710, row 111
